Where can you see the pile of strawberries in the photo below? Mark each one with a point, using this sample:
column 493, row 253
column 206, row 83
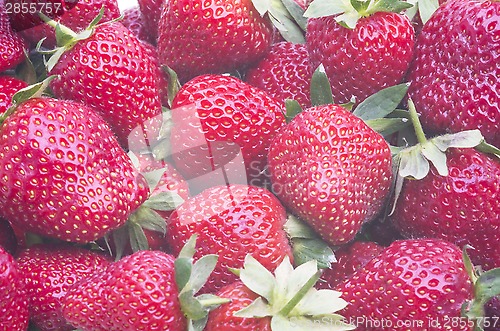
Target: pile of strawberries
column 250, row 165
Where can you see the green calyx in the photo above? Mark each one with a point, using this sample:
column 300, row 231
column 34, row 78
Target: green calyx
column 286, row 15
column 289, row 298
column 486, row 287
column 190, row 278
column 348, row 12
column 67, row 38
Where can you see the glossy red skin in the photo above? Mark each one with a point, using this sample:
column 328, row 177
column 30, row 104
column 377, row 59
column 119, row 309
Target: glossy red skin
column 112, row 72
column 360, row 62
column 137, row 292
column 14, row 304
column 454, row 75
column 134, row 20
column 76, row 17
column 8, row 87
column 330, row 169
column 151, row 11
column 492, row 314
column 412, row 280
column 12, row 46
column 49, row 272
column 162, row 77
column 214, row 118
column 461, row 207
column 231, row 221
column 222, row 318
column 284, row 73
column 199, row 37
column 63, row 173
column 350, row 258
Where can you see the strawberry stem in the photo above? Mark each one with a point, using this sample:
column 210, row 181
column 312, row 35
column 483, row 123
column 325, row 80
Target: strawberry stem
column 285, row 311
column 419, row 131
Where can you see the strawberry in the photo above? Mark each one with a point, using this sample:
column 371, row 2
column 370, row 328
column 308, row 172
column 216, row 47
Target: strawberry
column 151, row 11
column 134, row 20
column 454, row 72
column 148, row 290
column 110, row 71
column 331, row 170
column 8, row 240
column 63, row 173
column 421, row 283
column 363, row 49
column 8, row 87
column 49, row 272
column 286, row 300
column 493, row 314
column 198, row 37
column 284, row 73
column 12, row 46
column 231, row 221
column 76, row 15
column 350, row 258
column 14, row 305
column 217, row 122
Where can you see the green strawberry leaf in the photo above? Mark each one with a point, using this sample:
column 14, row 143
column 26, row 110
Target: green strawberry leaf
column 463, row 139
column 426, row 9
column 486, row 287
column 173, row 83
column 382, row 103
column 433, row 154
column 153, row 178
column 296, row 12
column 293, row 108
column 388, row 126
column 321, row 302
column 138, row 240
column 388, row 6
column 164, row 201
column 413, row 164
column 148, row 219
column 257, row 309
column 200, row 272
column 257, row 278
column 120, row 240
column 189, row 248
column 321, row 90
column 488, row 149
column 295, row 228
column 323, row 8
column 32, row 91
column 183, row 267
column 191, row 307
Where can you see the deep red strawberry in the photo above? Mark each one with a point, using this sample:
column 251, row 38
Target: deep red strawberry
column 363, row 57
column 284, row 73
column 350, row 258
column 222, row 128
column 12, row 46
column 137, row 292
column 8, row 87
column 14, row 304
column 332, row 170
column 415, row 282
column 151, row 11
column 199, row 37
column 133, row 19
column 76, row 15
column 112, row 72
column 63, row 173
column 49, row 271
column 493, row 315
column 454, row 74
column 232, row 221
column 461, row 207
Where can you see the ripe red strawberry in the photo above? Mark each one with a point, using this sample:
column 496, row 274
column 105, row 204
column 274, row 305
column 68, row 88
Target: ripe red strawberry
column 454, row 83
column 8, row 87
column 350, row 258
column 14, row 305
column 76, row 15
column 232, row 221
column 12, row 46
column 217, row 122
column 223, row 319
column 49, row 271
column 63, row 173
column 138, row 292
column 112, row 72
column 363, row 57
column 461, row 207
column 134, row 20
column 8, row 240
column 421, row 283
column 151, row 11
column 493, row 314
column 331, row 170
column 284, row 73
column 198, row 37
